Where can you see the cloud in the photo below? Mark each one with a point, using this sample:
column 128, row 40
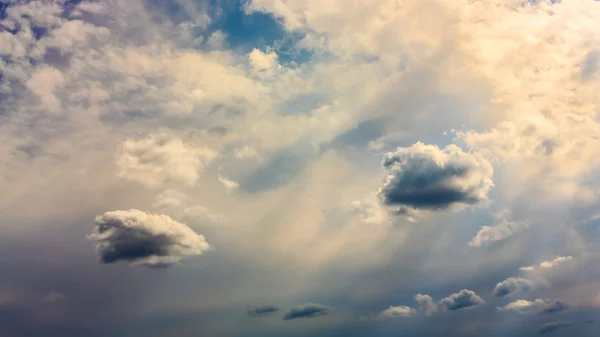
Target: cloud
column 261, row 61
column 176, row 204
column 464, row 299
column 53, row 297
column 557, row 261
column 504, row 229
column 142, row 238
column 307, row 311
column 43, row 83
column 160, row 158
column 553, row 326
column 229, row 184
column 513, row 285
column 536, row 307
column 400, row 311
column 263, row 310
column 429, row 178
column 426, row 304
column 549, row 264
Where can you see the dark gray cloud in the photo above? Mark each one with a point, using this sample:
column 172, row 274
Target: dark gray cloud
column 427, row 177
column 513, row 285
column 553, row 326
column 307, row 311
column 263, row 310
column 152, row 240
column 555, row 307
column 462, row 300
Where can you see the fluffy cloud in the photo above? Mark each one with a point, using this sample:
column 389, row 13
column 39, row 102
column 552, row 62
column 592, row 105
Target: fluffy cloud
column 504, row 229
column 263, row 310
column 513, row 285
column 160, row 158
column 464, row 299
column 426, row 304
column 310, row 310
column 553, row 326
column 262, row 61
column 143, row 238
column 427, row 177
column 400, row 311
column 176, row 204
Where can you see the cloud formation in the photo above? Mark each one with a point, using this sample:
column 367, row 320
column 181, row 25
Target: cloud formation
column 399, row 311
column 142, row 238
column 464, row 299
column 310, row 310
column 426, row 304
column 553, row 326
column 536, row 307
column 263, row 310
column 513, row 285
column 549, row 264
column 425, row 177
column 504, row 229
column 160, row 158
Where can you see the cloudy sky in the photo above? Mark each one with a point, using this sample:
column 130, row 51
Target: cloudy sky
column 299, row 168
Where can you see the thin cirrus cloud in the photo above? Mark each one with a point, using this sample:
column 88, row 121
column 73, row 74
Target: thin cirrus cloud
column 147, row 239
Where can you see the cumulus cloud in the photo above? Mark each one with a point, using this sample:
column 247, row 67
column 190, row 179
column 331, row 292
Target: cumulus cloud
column 310, row 310
column 513, row 285
column 160, row 158
column 262, row 61
column 263, row 310
column 553, row 326
column 400, row 311
column 142, row 238
column 426, row 304
column 464, row 299
column 429, row 178
column 504, row 229
column 228, row 183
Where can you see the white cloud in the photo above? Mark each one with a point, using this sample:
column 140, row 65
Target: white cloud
column 262, row 61
column 399, row 311
column 44, row 82
column 160, row 158
column 229, row 184
column 176, row 204
column 426, row 304
column 504, row 229
column 557, row 261
column 142, row 238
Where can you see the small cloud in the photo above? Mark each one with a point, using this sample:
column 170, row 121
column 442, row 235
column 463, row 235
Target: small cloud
column 426, row 304
column 528, row 268
column 141, row 238
column 263, row 310
column 260, row 61
column 513, row 285
column 555, row 262
column 245, row 152
column 502, row 230
column 53, row 297
column 400, row 311
column 229, row 184
column 553, row 326
column 425, row 177
column 536, row 307
column 464, row 299
column 310, row 310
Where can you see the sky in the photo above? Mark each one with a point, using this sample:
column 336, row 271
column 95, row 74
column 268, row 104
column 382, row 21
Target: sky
column 299, row 168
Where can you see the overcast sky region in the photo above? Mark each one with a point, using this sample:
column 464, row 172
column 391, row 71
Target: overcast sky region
column 292, row 168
